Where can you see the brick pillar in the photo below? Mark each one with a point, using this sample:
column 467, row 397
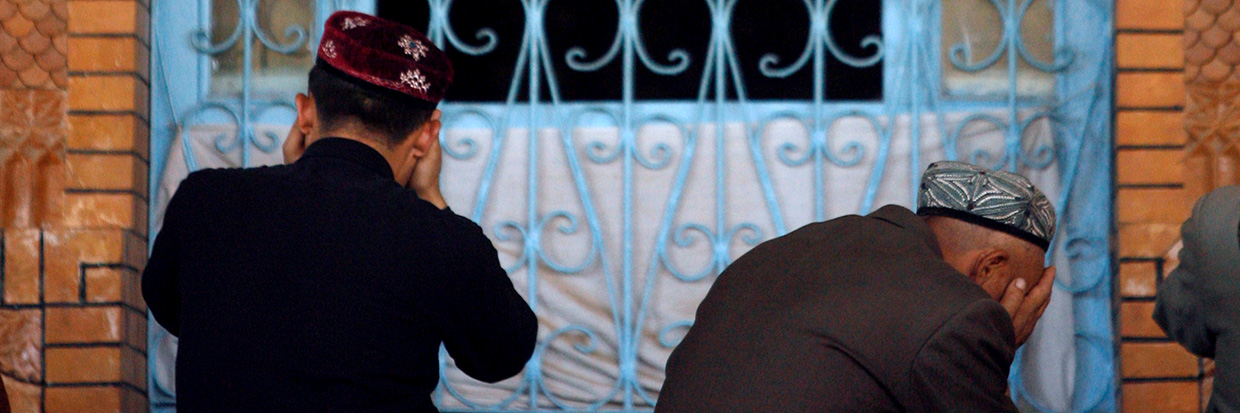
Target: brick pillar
column 73, row 179
column 1157, row 185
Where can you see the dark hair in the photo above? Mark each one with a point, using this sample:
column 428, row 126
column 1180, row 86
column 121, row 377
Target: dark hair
column 342, row 99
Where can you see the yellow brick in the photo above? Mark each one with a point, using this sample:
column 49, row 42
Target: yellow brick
column 1136, row 320
column 77, row 365
column 1156, row 205
column 1147, row 240
column 1149, row 14
column 105, row 17
column 106, row 171
column 1149, row 166
column 1149, row 51
column 104, row 210
column 1138, row 279
column 107, row 54
column 85, row 325
column 1149, row 128
column 1136, row 90
column 120, row 132
column 107, row 93
column 1161, row 397
column 85, row 399
column 1157, row 360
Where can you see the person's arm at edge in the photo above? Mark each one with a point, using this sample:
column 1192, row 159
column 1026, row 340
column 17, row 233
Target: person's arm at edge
column 1176, row 309
column 488, row 328
column 159, row 277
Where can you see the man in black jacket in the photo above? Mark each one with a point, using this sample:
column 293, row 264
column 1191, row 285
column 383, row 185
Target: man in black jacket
column 1198, row 304
column 328, row 284
column 893, row 311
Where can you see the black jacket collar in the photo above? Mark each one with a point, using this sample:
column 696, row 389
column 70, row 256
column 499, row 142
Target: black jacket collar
column 903, row 218
column 351, row 151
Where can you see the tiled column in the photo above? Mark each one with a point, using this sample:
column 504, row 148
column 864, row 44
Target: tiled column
column 33, row 77
column 73, row 174
column 1158, row 180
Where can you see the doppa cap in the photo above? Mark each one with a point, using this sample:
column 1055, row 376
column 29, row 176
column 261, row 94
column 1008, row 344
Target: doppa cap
column 998, row 200
column 385, row 54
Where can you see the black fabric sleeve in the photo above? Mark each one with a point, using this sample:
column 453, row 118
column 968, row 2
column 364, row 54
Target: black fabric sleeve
column 964, row 365
column 488, row 329
column 159, row 278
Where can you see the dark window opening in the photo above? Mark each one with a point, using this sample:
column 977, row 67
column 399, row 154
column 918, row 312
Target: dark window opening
column 759, row 28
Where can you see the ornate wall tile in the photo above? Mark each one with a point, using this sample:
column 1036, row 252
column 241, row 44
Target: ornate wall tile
column 33, row 129
column 1212, row 75
column 21, row 338
column 1212, row 120
column 24, row 397
column 29, row 33
column 1209, row 27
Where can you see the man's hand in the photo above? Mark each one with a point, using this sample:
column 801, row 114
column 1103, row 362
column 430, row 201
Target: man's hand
column 1026, row 308
column 294, row 144
column 425, row 178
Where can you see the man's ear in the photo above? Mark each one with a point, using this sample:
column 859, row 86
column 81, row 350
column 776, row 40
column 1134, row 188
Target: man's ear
column 991, row 266
column 427, row 134
column 307, row 114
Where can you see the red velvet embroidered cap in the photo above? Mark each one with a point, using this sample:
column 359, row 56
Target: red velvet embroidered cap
column 386, row 54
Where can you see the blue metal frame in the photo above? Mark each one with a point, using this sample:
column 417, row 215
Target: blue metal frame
column 909, row 51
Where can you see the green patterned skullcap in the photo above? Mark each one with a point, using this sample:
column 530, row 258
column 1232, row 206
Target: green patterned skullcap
column 998, row 200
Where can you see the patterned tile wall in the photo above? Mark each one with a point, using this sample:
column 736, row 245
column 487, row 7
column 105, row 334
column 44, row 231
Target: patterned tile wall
column 33, row 132
column 1212, row 112
column 33, row 44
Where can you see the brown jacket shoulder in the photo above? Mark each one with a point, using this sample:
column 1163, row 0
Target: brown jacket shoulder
column 856, row 313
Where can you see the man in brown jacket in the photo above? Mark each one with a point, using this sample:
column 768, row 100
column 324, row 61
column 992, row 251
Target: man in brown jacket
column 893, row 311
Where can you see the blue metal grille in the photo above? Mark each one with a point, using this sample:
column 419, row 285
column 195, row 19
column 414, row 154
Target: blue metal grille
column 1077, row 115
